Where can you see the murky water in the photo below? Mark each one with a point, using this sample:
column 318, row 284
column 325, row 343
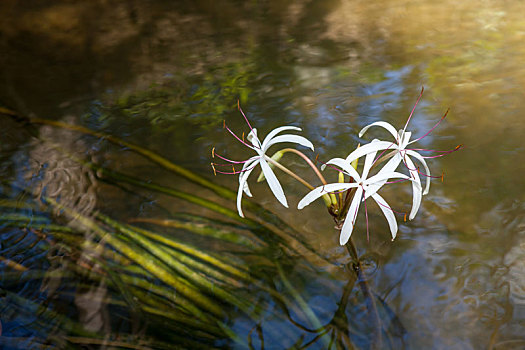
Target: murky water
column 165, row 75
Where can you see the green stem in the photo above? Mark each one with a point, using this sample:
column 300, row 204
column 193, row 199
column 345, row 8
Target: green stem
column 289, row 172
column 326, row 197
column 308, row 161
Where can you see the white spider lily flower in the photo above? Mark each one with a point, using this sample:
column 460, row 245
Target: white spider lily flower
column 261, row 159
column 402, row 154
column 260, row 148
column 365, row 188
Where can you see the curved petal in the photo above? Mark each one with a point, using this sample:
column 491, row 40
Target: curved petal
column 369, row 148
column 348, row 226
column 252, row 137
column 242, row 182
column 369, row 160
column 346, row 166
column 416, row 188
column 321, row 190
column 303, row 141
column 388, row 213
column 275, row 131
column 247, row 164
column 385, row 125
column 375, row 184
column 422, row 161
column 381, row 176
column 274, row 184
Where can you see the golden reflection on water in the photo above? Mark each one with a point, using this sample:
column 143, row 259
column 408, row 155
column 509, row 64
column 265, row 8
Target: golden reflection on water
column 468, row 243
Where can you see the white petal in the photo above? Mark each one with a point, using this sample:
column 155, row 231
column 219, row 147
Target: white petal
column 405, row 139
column 274, row 184
column 321, row 190
column 242, row 182
column 369, row 148
column 385, row 125
column 369, row 160
column 427, row 170
column 252, row 137
column 416, row 188
column 380, row 176
column 351, row 217
column 275, row 131
column 303, row 141
column 346, row 166
column 374, row 184
column 392, row 163
column 249, row 163
column 389, row 214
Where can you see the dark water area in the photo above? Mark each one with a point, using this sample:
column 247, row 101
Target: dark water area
column 115, row 233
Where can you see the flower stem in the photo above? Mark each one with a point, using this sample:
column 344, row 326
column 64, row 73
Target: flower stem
column 333, row 199
column 326, row 198
column 308, row 161
column 289, row 172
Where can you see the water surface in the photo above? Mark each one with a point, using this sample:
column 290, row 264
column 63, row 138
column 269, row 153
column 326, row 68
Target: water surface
column 165, row 75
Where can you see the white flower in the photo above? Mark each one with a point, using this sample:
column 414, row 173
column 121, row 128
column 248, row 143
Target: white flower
column 401, row 155
column 365, row 188
column 261, row 158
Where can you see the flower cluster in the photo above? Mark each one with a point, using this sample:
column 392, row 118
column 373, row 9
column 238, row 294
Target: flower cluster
column 342, row 198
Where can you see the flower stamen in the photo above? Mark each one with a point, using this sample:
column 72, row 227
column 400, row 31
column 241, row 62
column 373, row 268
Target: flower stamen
column 237, row 137
column 233, row 172
column 240, row 109
column 229, row 160
column 432, row 129
column 414, row 108
column 430, row 176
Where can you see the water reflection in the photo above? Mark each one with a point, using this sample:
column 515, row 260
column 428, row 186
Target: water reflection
column 164, row 76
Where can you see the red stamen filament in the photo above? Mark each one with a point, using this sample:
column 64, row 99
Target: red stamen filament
column 240, row 109
column 432, row 129
column 237, row 137
column 392, row 210
column 233, row 172
column 229, row 160
column 380, row 155
column 396, row 181
column 430, row 176
column 412, row 112
column 443, row 153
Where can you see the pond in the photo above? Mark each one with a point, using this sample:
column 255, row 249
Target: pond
column 115, row 232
